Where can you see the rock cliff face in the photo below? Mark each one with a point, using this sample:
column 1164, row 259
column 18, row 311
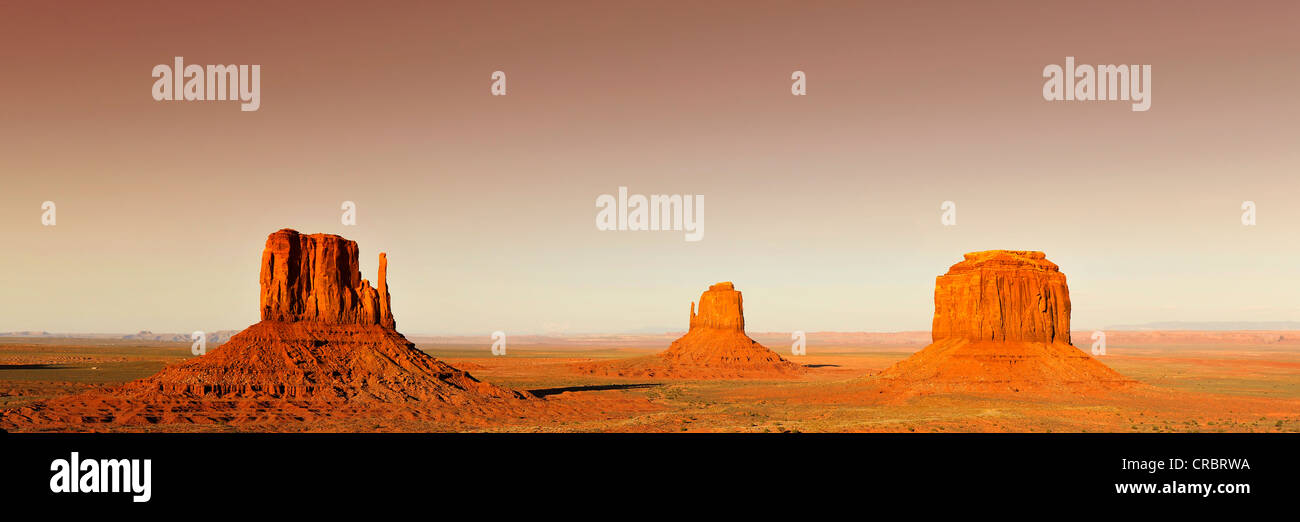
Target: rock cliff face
column 317, row 278
column 1002, row 295
column 716, row 346
column 1001, row 324
column 721, row 308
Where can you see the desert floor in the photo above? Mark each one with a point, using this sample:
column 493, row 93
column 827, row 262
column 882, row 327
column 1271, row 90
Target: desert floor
column 1184, row 388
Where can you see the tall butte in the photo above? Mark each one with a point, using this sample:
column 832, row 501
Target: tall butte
column 1001, row 324
column 716, row 346
column 326, row 349
column 315, row 278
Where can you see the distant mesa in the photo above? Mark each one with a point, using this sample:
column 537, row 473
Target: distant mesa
column 27, row 333
column 326, row 347
column 1210, row 326
column 212, row 338
column 1001, row 324
column 716, row 346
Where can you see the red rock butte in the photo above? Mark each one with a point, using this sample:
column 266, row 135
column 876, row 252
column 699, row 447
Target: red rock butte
column 716, row 346
column 317, row 278
column 326, row 348
column 1001, row 324
column 1002, row 295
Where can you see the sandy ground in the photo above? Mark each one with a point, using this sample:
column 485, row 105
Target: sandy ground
column 1184, row 388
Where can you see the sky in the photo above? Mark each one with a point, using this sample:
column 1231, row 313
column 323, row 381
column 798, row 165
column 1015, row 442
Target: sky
column 823, row 209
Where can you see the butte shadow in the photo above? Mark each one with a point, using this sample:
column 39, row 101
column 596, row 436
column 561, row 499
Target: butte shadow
column 715, row 347
column 326, row 350
column 1001, row 325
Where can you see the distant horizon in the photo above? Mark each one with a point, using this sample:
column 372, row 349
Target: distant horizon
column 1170, row 326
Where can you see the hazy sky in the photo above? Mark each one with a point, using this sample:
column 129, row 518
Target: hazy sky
column 823, row 209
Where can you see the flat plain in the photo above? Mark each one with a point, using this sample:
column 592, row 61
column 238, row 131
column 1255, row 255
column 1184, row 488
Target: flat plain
column 1183, row 387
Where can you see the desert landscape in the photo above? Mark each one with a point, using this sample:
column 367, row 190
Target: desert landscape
column 530, row 255
column 1198, row 384
column 327, row 356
